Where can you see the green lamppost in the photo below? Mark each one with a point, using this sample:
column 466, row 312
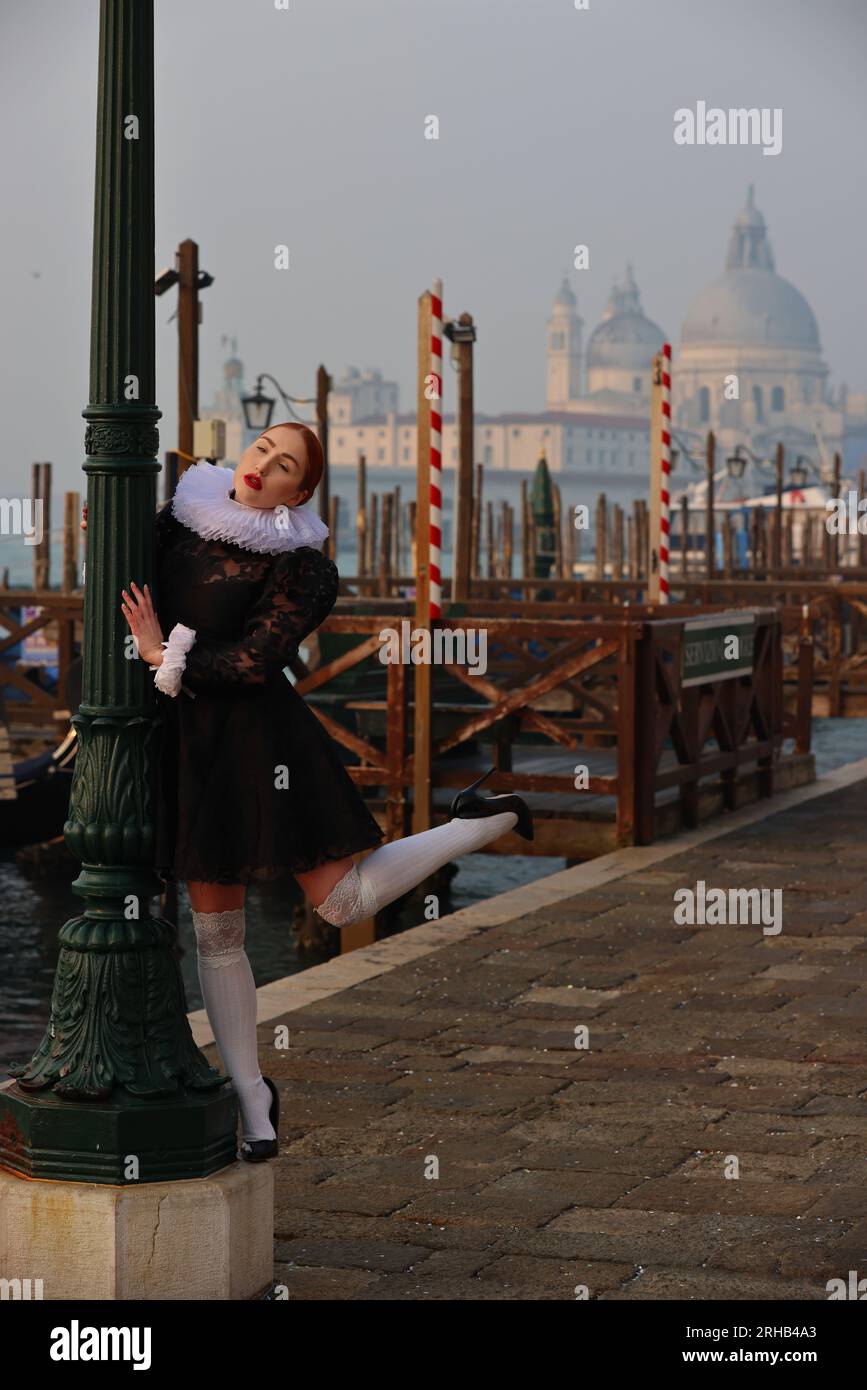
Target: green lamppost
column 542, row 501
column 118, row 1090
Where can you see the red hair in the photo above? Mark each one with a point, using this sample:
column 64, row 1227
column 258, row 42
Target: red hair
column 315, row 456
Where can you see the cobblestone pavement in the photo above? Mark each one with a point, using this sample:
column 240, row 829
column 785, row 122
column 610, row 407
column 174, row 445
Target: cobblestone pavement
column 603, row 1167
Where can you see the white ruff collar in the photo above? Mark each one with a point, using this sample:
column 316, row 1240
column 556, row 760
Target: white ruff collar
column 202, row 503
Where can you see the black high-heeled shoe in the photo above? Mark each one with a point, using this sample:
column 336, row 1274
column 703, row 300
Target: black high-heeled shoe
column 258, row 1150
column 467, row 805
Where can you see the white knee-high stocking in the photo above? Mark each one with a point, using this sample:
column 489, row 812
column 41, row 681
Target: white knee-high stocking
column 229, row 992
column 396, row 867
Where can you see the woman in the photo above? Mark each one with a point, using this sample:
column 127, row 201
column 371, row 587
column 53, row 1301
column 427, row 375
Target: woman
column 250, row 785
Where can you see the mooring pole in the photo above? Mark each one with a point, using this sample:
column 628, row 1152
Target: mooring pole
column 421, row 809
column 653, row 587
column 188, row 348
column 463, row 335
column 323, row 386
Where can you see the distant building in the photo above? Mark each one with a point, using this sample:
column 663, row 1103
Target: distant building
column 750, row 324
column 618, row 359
column 359, row 394
column 226, row 405
column 601, row 445
column 750, row 364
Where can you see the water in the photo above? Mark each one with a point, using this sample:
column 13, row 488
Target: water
column 31, row 914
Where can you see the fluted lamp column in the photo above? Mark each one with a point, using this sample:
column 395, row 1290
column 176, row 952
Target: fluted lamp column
column 118, row 1092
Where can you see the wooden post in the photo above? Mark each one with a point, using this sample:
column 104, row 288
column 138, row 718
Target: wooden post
column 323, row 386
column 462, row 548
column 558, row 531
column 372, row 535
column 618, row 542
column 526, row 554
column 630, row 547
column 489, row 518
column 384, row 542
column 41, row 491
column 188, row 348
column 394, row 562
column 413, row 545
column 834, row 541
column 710, row 458
column 727, row 539
column 476, row 536
column 778, row 528
column 788, row 537
column 171, row 472
column 601, row 535
column 71, row 532
column 361, row 519
column 572, row 539
column 333, row 523
column 862, row 540
column 754, row 542
column 657, row 391
column 684, row 535
column 644, row 540
column 421, row 811
column 510, row 540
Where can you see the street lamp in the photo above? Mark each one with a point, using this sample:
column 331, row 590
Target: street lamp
column 259, row 407
column 800, row 471
column 736, row 463
column 257, row 416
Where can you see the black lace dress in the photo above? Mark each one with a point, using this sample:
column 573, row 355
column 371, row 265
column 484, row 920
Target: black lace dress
column 250, row 785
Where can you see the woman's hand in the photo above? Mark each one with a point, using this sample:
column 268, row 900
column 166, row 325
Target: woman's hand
column 144, row 624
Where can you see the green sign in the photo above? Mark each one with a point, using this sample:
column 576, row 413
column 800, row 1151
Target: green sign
column 717, row 647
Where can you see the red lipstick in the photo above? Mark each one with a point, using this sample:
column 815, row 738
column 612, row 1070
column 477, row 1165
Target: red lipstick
column 253, row 481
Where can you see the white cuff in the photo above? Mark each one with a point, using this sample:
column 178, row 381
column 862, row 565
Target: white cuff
column 168, row 675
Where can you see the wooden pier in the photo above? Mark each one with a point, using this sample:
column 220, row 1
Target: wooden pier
column 562, row 694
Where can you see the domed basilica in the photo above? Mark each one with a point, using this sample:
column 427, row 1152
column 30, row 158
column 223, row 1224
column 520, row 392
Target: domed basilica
column 749, row 363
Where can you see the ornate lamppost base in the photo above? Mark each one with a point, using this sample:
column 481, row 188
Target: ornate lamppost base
column 124, row 1141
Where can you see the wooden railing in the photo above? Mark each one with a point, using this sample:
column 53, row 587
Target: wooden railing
column 61, row 615
column 593, row 683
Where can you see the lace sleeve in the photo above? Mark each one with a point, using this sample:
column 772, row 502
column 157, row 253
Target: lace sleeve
column 300, row 595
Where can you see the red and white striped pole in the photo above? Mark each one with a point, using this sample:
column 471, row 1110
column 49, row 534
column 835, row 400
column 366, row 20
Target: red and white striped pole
column 436, row 451
column 665, row 473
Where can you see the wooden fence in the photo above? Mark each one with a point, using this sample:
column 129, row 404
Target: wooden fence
column 555, row 687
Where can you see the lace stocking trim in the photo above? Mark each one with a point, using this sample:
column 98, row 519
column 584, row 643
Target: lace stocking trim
column 350, row 900
column 220, row 935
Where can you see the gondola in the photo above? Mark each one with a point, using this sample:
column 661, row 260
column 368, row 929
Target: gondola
column 38, row 809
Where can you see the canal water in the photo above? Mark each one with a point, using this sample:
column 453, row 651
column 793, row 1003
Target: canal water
column 31, row 914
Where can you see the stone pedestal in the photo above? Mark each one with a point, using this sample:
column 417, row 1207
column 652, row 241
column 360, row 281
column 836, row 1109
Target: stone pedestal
column 203, row 1238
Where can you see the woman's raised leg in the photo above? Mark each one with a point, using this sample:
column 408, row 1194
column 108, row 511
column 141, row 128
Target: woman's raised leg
column 343, row 892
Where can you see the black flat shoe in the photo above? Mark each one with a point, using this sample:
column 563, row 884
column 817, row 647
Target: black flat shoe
column 467, row 805
column 258, row 1150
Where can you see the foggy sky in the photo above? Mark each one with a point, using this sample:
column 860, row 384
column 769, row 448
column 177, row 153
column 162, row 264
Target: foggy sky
column 306, row 127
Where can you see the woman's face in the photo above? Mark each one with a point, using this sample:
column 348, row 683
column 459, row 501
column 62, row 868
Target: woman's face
column 272, row 471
